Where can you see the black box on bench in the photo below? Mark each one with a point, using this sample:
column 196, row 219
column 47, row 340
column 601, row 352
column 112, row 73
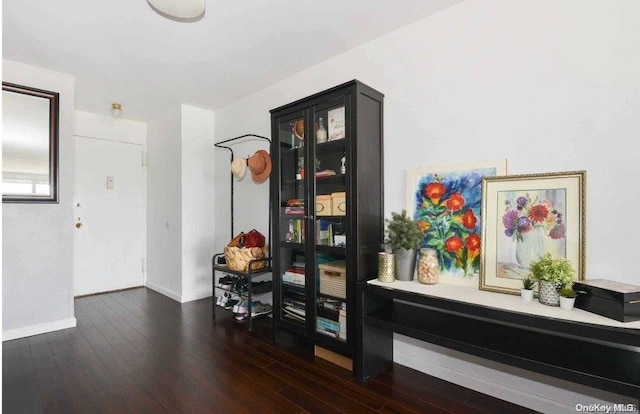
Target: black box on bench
column 614, row 300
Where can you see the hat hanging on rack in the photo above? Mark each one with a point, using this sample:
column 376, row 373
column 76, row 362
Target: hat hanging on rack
column 239, row 167
column 260, row 166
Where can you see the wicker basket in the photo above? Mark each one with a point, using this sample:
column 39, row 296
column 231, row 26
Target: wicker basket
column 238, row 258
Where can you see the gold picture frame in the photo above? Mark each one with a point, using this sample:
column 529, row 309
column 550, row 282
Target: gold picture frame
column 525, row 216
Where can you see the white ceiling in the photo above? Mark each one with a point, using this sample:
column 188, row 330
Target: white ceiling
column 123, row 51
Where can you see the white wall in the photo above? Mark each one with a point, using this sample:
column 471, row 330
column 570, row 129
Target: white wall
column 164, row 210
column 549, row 85
column 181, row 199
column 37, row 239
column 198, row 202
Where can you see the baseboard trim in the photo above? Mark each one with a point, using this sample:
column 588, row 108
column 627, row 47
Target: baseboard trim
column 195, row 296
column 108, row 291
column 38, row 329
column 166, row 292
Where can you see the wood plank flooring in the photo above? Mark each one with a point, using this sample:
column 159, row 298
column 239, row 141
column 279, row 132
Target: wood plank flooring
column 137, row 351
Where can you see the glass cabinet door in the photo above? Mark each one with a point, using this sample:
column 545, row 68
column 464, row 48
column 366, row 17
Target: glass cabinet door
column 331, row 217
column 293, row 213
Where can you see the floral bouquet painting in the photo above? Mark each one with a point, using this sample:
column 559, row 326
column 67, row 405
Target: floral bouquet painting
column 447, row 205
column 532, row 225
column 525, row 217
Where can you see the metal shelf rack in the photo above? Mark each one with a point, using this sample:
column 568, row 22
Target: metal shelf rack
column 251, row 273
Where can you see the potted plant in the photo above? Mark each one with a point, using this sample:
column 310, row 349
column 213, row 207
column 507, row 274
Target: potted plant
column 552, row 273
column 404, row 237
column 567, row 297
column 528, row 283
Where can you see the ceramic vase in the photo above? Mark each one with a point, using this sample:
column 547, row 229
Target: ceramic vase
column 405, row 264
column 531, row 247
column 548, row 294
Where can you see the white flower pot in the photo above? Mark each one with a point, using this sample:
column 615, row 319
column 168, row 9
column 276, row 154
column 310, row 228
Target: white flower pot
column 567, row 303
column 526, row 294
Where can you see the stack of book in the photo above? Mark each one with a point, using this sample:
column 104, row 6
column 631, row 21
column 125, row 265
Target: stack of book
column 294, row 206
column 294, row 308
column 294, row 274
column 328, row 327
column 325, row 173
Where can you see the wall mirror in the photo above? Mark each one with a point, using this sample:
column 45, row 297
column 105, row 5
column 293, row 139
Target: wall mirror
column 29, row 145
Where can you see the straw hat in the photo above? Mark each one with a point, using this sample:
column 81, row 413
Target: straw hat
column 260, row 166
column 239, row 167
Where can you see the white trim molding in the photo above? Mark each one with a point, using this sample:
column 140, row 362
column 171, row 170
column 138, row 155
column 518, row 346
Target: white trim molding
column 38, row 329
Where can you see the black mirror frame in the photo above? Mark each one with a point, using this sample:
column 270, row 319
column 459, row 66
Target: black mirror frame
column 54, row 112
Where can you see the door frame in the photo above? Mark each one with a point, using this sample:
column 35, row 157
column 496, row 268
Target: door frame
column 95, row 126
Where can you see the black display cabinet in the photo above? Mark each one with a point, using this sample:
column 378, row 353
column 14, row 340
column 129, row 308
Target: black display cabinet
column 327, row 206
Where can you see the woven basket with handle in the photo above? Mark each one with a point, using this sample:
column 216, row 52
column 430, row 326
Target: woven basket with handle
column 238, row 258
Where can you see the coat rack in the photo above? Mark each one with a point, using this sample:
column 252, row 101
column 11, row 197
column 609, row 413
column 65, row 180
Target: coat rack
column 227, row 141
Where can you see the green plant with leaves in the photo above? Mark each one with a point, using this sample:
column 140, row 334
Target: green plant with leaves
column 567, row 292
column 528, row 283
column 558, row 271
column 403, row 232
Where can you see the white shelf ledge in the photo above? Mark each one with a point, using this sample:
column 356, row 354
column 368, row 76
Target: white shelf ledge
column 503, row 302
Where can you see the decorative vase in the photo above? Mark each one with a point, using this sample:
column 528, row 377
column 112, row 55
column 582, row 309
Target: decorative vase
column 405, row 264
column 526, row 294
column 428, row 267
column 531, row 247
column 548, row 294
column 567, row 303
column 386, row 267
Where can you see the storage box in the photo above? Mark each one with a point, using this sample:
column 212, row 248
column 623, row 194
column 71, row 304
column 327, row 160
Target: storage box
column 323, row 205
column 333, row 279
column 614, row 300
column 339, row 204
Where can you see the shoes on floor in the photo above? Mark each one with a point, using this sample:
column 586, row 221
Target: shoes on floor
column 241, row 310
column 260, row 309
column 232, row 302
column 240, row 305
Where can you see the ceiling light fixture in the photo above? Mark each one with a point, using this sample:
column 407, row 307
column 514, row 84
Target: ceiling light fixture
column 116, row 110
column 180, row 10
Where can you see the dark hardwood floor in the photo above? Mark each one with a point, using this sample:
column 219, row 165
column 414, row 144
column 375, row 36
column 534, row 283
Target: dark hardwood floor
column 137, row 351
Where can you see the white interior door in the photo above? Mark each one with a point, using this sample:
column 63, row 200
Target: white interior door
column 109, row 216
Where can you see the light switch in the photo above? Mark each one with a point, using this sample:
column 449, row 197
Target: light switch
column 110, row 183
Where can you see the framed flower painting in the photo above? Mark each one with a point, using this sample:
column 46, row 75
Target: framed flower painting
column 446, row 201
column 526, row 216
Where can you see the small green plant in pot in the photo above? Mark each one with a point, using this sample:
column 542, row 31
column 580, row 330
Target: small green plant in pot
column 405, row 238
column 567, row 292
column 551, row 273
column 526, row 292
column 567, row 297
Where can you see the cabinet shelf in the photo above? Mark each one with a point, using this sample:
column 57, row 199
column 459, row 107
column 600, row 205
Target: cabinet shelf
column 291, row 245
column 293, row 287
column 330, row 249
column 331, row 146
column 352, row 110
